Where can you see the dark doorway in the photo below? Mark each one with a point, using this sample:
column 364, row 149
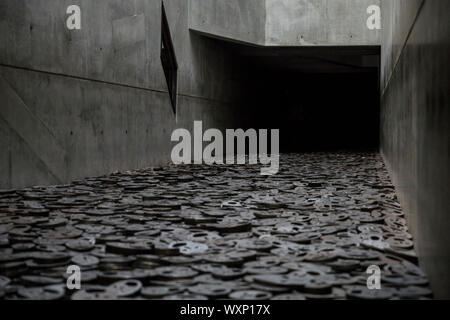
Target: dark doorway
column 321, row 98
column 319, row 111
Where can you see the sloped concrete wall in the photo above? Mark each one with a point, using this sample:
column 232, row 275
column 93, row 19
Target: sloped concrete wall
column 415, row 118
column 91, row 101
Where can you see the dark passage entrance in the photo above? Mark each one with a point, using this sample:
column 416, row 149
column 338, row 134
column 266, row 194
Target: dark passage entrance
column 321, row 98
column 320, row 111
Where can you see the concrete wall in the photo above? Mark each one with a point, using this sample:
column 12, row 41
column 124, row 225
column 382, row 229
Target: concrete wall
column 286, row 22
column 237, row 20
column 415, row 117
column 324, row 22
column 91, row 101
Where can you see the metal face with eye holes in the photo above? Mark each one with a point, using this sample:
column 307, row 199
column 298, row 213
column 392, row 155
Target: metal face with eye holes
column 215, row 290
column 250, row 295
column 189, row 247
column 159, row 292
column 176, row 272
column 125, row 288
column 51, row 292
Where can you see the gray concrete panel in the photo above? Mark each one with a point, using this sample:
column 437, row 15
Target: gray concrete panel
column 415, row 129
column 286, row 22
column 323, row 23
column 398, row 17
column 100, row 91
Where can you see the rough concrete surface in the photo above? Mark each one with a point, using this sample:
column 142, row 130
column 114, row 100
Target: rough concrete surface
column 415, row 132
column 92, row 101
column 286, row 22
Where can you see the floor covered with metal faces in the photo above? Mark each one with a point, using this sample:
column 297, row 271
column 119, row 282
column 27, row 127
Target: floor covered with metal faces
column 321, row 228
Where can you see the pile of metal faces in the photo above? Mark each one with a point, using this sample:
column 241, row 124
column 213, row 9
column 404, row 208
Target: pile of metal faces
column 214, row 232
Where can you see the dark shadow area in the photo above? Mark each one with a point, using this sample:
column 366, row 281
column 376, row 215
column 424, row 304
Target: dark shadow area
column 321, row 98
column 318, row 111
